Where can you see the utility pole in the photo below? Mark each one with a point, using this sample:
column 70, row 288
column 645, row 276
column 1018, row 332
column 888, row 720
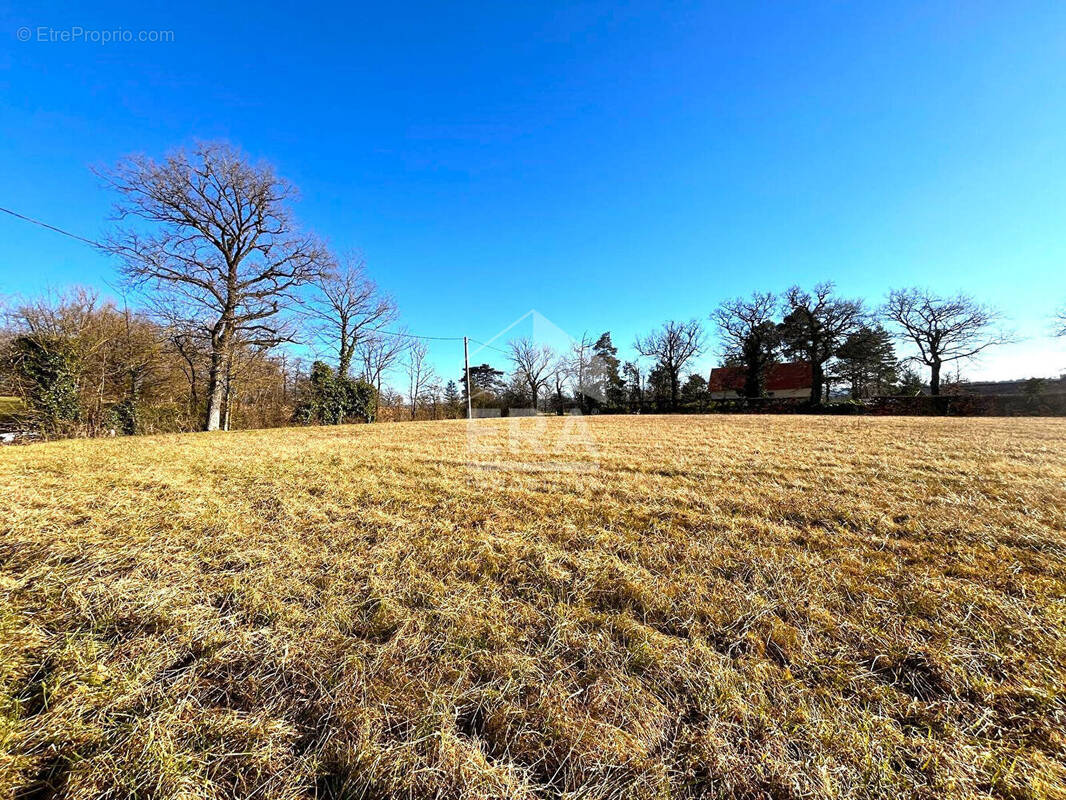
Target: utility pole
column 466, row 362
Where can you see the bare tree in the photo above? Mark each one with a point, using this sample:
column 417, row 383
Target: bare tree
column 816, row 324
column 561, row 372
column 534, row 365
column 379, row 353
column 193, row 355
column 1060, row 322
column 944, row 329
column 673, row 346
column 580, row 366
column 750, row 335
column 632, row 369
column 223, row 246
column 433, row 393
column 420, row 375
column 345, row 306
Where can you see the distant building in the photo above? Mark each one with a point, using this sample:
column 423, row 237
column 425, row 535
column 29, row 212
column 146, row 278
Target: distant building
column 782, row 380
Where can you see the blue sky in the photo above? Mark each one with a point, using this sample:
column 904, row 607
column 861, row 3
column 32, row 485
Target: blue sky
column 610, row 165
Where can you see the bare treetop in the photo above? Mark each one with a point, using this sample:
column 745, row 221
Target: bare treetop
column 737, row 319
column 223, row 234
column 379, row 352
column 1060, row 322
column 346, row 306
column 815, row 324
column 421, row 376
column 672, row 346
column 534, row 364
column 749, row 335
column 944, row 329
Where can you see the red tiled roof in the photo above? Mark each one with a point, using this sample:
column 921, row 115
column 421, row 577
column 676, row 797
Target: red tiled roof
column 779, row 377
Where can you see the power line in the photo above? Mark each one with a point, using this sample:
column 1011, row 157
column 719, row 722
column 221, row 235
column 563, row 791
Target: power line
column 50, row 227
column 489, row 346
column 403, row 334
column 406, row 335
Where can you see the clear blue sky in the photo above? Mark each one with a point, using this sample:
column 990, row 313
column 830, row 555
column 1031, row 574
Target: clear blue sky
column 610, row 165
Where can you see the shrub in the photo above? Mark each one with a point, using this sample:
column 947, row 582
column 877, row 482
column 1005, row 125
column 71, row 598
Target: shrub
column 46, row 367
column 331, row 399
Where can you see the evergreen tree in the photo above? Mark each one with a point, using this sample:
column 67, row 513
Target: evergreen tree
column 634, row 386
column 604, row 377
column 867, row 362
column 694, row 393
column 910, row 383
column 452, row 398
column 331, row 399
column 661, row 388
column 486, row 386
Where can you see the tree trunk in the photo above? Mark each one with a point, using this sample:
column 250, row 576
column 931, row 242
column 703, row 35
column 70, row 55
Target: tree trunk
column 751, row 379
column 135, row 392
column 344, row 357
column 216, row 381
column 817, row 380
column 581, row 379
column 934, row 378
column 215, row 392
column 227, row 401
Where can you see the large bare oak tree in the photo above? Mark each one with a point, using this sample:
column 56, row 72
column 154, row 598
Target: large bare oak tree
column 221, row 244
column 944, row 329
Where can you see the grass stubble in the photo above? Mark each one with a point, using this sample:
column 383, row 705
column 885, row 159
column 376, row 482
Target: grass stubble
column 732, row 607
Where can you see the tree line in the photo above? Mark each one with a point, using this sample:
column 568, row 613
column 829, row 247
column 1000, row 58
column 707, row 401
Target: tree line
column 225, row 279
column 844, row 342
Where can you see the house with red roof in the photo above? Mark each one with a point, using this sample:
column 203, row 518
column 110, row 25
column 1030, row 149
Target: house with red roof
column 792, row 380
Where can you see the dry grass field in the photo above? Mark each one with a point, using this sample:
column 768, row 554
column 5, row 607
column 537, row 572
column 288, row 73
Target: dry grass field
column 734, row 607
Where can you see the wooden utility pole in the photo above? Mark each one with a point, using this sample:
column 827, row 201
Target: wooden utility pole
column 466, row 362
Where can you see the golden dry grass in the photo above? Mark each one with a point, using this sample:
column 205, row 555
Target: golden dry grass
column 723, row 607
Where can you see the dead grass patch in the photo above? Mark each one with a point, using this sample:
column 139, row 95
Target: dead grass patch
column 725, row 607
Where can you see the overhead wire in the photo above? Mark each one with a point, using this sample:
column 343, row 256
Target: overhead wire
column 51, row 227
column 90, row 242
